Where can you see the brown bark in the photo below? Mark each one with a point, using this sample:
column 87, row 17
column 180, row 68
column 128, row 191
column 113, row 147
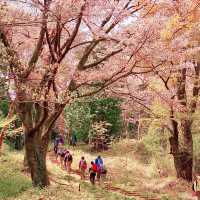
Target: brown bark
column 37, row 121
column 174, row 143
column 181, row 140
column 36, row 151
column 182, row 151
column 25, row 162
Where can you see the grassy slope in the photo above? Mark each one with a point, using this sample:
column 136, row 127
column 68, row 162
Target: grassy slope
column 125, row 171
column 15, row 185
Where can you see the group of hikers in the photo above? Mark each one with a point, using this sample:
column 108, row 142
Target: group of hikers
column 64, row 156
column 97, row 168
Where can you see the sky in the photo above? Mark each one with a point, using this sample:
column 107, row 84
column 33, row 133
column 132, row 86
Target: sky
column 22, row 4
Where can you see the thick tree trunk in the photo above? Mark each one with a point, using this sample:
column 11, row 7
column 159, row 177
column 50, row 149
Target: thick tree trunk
column 182, row 149
column 183, row 163
column 36, row 151
column 183, row 158
column 174, row 144
column 183, row 166
column 186, row 150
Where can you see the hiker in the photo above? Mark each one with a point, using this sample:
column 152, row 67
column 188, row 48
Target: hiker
column 99, row 164
column 73, row 139
column 62, row 139
column 58, row 139
column 56, row 142
column 60, row 153
column 196, row 186
column 82, row 167
column 100, row 160
column 68, row 161
column 92, row 171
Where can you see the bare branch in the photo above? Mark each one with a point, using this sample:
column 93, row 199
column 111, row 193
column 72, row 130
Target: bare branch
column 80, row 44
column 86, row 54
column 70, row 40
column 50, row 46
column 101, row 60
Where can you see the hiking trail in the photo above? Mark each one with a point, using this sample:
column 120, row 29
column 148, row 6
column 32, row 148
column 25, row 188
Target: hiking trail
column 107, row 185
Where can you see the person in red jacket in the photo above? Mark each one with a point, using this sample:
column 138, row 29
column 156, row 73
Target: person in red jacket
column 93, row 171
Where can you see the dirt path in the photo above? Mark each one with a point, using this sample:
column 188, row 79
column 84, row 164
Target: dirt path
column 108, row 186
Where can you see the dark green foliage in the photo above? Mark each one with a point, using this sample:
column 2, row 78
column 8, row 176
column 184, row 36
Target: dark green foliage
column 4, row 107
column 80, row 115
column 78, row 118
column 15, row 140
column 107, row 109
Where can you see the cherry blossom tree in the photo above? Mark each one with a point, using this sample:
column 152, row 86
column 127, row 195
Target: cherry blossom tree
column 178, row 42
column 60, row 50
column 173, row 54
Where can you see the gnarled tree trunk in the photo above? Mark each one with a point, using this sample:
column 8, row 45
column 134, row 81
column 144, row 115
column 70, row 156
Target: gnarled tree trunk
column 36, row 150
column 38, row 120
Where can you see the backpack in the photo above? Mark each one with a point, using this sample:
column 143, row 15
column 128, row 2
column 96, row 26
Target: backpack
column 83, row 164
column 100, row 161
column 69, row 157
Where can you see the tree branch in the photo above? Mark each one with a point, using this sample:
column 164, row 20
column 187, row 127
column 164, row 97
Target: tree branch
column 36, row 53
column 70, row 40
column 86, row 54
column 101, row 60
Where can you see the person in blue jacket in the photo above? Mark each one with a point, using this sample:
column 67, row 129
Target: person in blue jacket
column 99, row 164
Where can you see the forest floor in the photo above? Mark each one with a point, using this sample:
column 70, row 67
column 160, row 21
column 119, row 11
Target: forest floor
column 128, row 178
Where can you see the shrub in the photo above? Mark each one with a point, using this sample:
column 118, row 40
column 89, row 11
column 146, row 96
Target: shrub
column 4, row 107
column 80, row 115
